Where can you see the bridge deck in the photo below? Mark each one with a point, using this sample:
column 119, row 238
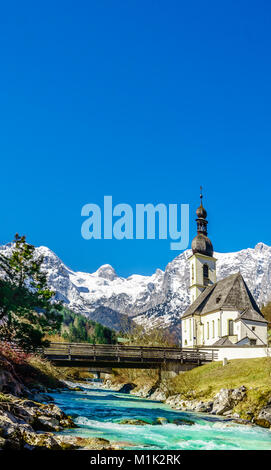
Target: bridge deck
column 88, row 355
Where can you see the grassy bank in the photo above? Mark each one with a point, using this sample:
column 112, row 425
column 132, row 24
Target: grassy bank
column 202, row 383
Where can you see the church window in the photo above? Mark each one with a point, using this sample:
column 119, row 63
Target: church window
column 190, row 329
column 213, row 328
column 218, row 327
column 193, row 273
column 205, row 274
column 208, row 330
column 230, row 327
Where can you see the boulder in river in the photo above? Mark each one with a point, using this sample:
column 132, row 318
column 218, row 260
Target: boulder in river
column 183, row 422
column 135, row 422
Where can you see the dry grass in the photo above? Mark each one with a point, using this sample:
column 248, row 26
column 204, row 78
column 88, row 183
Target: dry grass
column 55, row 339
column 80, row 373
column 139, row 377
column 45, row 368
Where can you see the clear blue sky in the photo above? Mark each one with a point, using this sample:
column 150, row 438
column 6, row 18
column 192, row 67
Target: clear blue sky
column 140, row 100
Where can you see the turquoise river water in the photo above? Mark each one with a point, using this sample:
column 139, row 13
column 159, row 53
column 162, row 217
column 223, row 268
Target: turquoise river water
column 98, row 413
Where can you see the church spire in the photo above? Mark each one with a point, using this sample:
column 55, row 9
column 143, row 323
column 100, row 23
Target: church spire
column 201, row 243
column 201, row 217
column 202, row 262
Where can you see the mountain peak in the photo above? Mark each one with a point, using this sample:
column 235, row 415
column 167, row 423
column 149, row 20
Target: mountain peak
column 106, row 271
column 262, row 246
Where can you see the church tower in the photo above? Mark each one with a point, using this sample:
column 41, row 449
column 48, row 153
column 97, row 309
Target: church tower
column 202, row 262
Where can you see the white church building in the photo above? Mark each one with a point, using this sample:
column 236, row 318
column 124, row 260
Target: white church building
column 222, row 313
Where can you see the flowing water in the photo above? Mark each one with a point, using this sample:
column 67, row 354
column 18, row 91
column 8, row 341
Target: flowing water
column 98, row 413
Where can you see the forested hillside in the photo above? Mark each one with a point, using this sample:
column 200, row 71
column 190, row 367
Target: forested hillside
column 77, row 328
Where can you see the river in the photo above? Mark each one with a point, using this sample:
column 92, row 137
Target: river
column 98, row 413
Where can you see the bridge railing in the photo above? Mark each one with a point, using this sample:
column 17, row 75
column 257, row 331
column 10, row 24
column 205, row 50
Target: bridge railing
column 77, row 351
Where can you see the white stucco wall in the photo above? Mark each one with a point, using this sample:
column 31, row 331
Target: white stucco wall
column 226, row 316
column 196, row 266
column 210, row 328
column 245, row 352
column 218, row 327
column 188, row 332
column 260, row 330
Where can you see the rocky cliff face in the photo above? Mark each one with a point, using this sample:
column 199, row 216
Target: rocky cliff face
column 154, row 300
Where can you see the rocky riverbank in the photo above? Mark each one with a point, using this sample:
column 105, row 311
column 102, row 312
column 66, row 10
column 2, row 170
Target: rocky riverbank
column 29, row 420
column 225, row 403
column 29, row 425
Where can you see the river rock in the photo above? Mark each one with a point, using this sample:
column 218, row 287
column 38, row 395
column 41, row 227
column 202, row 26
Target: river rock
column 264, row 417
column 2, row 443
column 142, row 392
column 48, row 423
column 75, row 442
column 203, row 406
column 126, row 388
column 46, row 441
column 109, row 385
column 135, row 422
column 158, row 395
column 21, row 418
column 173, row 400
column 41, row 397
column 9, row 384
column 161, row 420
column 183, row 422
column 227, row 398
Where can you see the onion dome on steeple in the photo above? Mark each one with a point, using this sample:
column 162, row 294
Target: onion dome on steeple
column 201, row 212
column 201, row 243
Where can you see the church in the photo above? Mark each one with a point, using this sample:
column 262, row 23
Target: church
column 222, row 313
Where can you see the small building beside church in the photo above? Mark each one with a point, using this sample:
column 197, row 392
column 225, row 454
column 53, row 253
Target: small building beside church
column 222, row 313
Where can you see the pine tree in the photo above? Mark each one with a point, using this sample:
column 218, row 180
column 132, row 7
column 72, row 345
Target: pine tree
column 26, row 310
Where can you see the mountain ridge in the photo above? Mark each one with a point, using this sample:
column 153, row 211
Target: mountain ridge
column 156, row 300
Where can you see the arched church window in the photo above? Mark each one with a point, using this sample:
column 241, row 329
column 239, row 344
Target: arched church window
column 230, row 327
column 193, row 273
column 205, row 274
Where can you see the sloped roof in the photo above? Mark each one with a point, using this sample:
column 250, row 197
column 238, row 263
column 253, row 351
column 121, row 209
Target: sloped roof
column 229, row 293
column 224, row 341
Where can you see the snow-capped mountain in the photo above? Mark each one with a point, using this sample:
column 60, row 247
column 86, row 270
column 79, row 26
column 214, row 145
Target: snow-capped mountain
column 154, row 300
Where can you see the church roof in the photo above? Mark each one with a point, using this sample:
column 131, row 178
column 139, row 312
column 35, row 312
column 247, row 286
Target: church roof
column 230, row 293
column 224, row 341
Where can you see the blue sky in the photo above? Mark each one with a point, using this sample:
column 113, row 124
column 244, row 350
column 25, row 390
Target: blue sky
column 141, row 100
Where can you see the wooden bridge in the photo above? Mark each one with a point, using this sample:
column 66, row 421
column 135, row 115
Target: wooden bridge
column 122, row 356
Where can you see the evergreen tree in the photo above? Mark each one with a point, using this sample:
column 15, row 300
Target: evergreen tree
column 26, row 311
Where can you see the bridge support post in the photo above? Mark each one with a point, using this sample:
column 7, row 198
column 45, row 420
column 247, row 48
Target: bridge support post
column 160, row 374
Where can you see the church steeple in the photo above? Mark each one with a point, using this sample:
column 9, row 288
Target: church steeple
column 201, row 243
column 201, row 214
column 202, row 263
